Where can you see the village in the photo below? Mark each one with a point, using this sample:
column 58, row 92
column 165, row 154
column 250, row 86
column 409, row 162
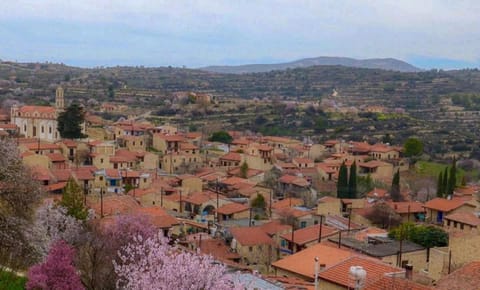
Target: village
column 266, row 205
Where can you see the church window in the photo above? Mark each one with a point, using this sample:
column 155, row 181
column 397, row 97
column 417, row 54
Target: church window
column 24, row 128
column 50, row 130
column 43, row 130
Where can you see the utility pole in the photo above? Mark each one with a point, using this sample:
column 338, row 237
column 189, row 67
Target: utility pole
column 316, row 272
column 101, row 202
column 161, row 196
column 271, row 200
column 320, row 231
column 216, row 211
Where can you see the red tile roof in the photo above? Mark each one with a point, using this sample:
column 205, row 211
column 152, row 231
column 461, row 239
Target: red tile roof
column 251, row 236
column 274, row 227
column 231, row 208
column 442, row 204
column 287, row 202
column 407, row 206
column 467, row 277
column 378, row 193
column 56, row 157
column 393, row 283
column 303, row 262
column 339, row 273
column 115, row 204
column 231, row 156
column 309, row 234
column 295, row 180
column 39, row 109
column 158, row 215
column 464, row 218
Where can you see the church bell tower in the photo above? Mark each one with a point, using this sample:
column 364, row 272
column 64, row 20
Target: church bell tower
column 59, row 99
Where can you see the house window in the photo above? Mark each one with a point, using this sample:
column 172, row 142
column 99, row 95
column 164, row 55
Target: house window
column 101, row 178
column 303, row 224
column 24, row 128
column 283, row 243
column 50, row 130
column 141, row 143
column 101, row 160
column 250, row 249
column 43, row 130
column 145, row 180
column 461, row 226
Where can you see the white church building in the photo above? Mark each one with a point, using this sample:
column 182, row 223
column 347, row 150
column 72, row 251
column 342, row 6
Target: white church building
column 39, row 121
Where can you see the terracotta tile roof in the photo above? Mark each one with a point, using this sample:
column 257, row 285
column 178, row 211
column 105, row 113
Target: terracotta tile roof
column 216, row 248
column 264, row 148
column 287, row 202
column 467, row 190
column 172, row 138
column 56, row 186
column 232, row 156
column 193, row 135
column 326, row 167
column 69, row 143
column 187, row 146
column 241, row 141
column 465, row 218
column 274, row 227
column 231, row 208
column 251, row 236
column 294, row 212
column 8, row 126
column 303, row 262
column 198, row 198
column 114, row 205
column 467, row 277
column 339, row 273
column 341, row 223
column 39, row 109
column 41, row 146
column 382, row 148
column 394, row 283
column 309, row 234
column 403, row 207
column 62, row 174
column 130, row 173
column 158, row 215
column 295, row 180
column 56, row 157
column 235, row 181
column 112, row 173
column 442, row 204
column 82, row 173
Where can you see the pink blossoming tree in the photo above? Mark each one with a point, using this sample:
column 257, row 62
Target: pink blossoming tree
column 153, row 264
column 57, row 271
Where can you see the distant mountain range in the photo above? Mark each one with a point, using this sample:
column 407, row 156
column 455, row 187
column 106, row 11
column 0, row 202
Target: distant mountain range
column 391, row 64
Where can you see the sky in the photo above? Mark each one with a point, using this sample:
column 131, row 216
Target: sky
column 427, row 33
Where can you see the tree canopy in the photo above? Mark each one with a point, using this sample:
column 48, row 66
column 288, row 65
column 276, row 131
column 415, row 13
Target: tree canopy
column 72, row 200
column 426, row 236
column 221, row 136
column 342, row 182
column 70, row 122
column 413, row 147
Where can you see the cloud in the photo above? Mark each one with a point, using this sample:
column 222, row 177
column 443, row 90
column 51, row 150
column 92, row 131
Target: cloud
column 209, row 32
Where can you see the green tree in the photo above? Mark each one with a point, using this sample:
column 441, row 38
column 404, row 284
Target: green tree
column 259, row 202
column 395, row 191
column 342, row 183
column 221, row 136
column 452, row 179
column 244, row 170
column 72, row 200
column 440, row 190
column 413, row 147
column 445, row 180
column 352, row 182
column 70, row 122
column 387, row 139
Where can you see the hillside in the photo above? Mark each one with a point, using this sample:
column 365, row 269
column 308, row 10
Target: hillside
column 374, row 63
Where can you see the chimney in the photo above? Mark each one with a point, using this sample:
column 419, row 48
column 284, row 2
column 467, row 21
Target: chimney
column 322, row 267
column 409, row 271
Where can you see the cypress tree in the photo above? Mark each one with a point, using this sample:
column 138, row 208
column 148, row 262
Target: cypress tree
column 395, row 191
column 342, row 183
column 352, row 182
column 452, row 179
column 440, row 190
column 445, row 181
